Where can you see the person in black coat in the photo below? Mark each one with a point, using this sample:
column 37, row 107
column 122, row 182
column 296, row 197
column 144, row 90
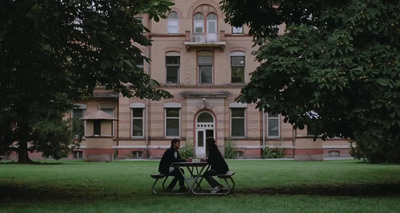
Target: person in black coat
column 165, row 167
column 218, row 165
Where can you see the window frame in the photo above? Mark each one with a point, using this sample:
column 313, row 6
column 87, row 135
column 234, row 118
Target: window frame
column 201, row 65
column 109, row 108
column 273, row 118
column 238, row 118
column 237, row 30
column 172, row 106
column 137, row 106
column 242, row 67
column 173, row 20
column 177, row 66
column 198, row 23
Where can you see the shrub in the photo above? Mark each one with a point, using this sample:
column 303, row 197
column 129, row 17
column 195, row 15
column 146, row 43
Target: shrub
column 229, row 149
column 275, row 152
column 187, row 150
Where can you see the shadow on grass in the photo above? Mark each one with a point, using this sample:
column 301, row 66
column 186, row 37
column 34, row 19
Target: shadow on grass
column 361, row 190
column 30, row 193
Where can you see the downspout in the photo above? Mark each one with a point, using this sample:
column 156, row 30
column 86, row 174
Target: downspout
column 263, row 134
column 117, row 124
column 294, row 141
column 146, row 109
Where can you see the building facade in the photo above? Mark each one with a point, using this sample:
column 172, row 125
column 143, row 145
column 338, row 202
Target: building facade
column 204, row 62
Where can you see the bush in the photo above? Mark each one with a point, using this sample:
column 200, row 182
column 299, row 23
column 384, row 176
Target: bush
column 376, row 148
column 187, row 150
column 229, row 149
column 276, row 152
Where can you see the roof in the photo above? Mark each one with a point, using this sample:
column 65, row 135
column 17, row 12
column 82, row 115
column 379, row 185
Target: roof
column 99, row 115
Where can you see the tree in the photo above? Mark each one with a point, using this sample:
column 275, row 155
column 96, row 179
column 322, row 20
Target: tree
column 53, row 52
column 335, row 69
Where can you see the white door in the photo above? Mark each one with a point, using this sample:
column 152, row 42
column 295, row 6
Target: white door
column 204, row 129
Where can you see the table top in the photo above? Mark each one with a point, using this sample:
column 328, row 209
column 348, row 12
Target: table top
column 190, row 163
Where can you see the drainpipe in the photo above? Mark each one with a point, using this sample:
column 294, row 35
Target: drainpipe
column 263, row 132
column 146, row 109
column 294, row 141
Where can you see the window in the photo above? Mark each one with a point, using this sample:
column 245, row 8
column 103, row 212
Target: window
column 173, row 23
column 237, row 30
column 137, row 154
column 78, row 127
column 206, row 23
column 273, row 125
column 172, row 122
column 172, row 64
column 211, row 27
column 78, row 154
column 237, row 67
column 139, row 62
column 205, row 61
column 96, row 127
column 137, row 122
column 205, row 117
column 109, row 109
column 198, row 23
column 137, row 128
column 237, row 122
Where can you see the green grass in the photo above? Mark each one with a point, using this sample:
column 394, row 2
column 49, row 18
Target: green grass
column 261, row 186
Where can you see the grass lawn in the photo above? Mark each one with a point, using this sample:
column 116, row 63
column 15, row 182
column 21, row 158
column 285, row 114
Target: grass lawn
column 261, row 186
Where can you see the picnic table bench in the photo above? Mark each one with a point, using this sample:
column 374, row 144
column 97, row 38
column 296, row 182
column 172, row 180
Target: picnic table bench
column 195, row 185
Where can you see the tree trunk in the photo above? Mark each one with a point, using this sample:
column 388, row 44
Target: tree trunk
column 23, row 136
column 23, row 152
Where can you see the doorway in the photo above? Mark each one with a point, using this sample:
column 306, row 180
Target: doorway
column 204, row 128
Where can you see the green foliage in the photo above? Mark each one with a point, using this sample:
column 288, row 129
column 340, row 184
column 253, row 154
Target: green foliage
column 377, row 150
column 230, row 149
column 54, row 52
column 276, row 152
column 187, row 150
column 336, row 68
column 54, row 139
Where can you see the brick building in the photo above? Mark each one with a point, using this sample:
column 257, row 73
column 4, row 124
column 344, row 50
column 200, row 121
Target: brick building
column 204, row 63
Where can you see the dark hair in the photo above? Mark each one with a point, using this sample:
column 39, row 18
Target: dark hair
column 210, row 141
column 174, row 141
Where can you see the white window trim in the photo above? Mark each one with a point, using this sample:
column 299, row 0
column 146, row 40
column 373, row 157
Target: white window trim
column 237, row 30
column 179, row 66
column 173, row 24
column 137, row 105
column 170, row 105
column 238, row 106
column 279, row 126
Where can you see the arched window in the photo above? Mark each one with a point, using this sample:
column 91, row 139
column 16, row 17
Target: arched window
column 211, row 27
column 173, row 23
column 198, row 23
column 205, row 117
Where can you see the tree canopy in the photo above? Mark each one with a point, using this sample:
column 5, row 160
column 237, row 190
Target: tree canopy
column 335, row 69
column 53, row 52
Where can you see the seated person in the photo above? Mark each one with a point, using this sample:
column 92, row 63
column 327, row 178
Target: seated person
column 218, row 165
column 165, row 167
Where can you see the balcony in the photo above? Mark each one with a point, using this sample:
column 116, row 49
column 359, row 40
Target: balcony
column 208, row 40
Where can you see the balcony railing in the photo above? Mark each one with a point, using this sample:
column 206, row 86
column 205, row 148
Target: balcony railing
column 205, row 40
